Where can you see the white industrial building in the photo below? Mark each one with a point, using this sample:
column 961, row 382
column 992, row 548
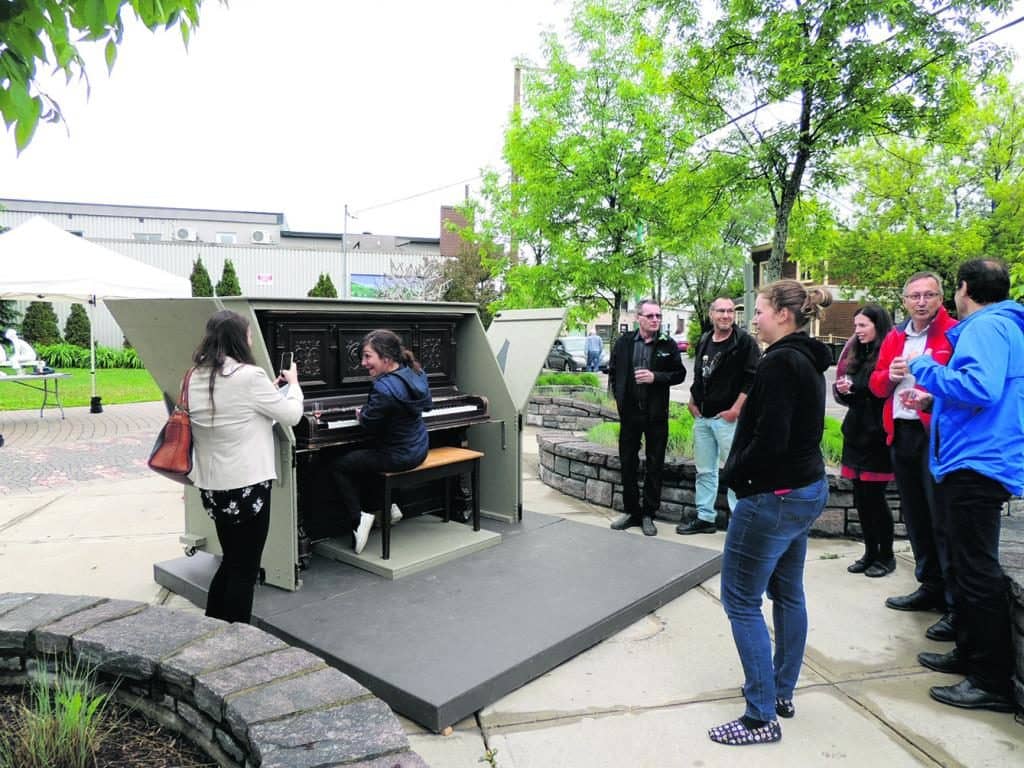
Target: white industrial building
column 269, row 259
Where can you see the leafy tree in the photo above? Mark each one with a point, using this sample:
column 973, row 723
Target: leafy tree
column 47, row 32
column 200, row 279
column 77, row 327
column 590, row 152
column 711, row 265
column 324, row 288
column 8, row 315
column 414, row 282
column 40, row 324
column 468, row 278
column 228, row 284
column 848, row 70
column 928, row 204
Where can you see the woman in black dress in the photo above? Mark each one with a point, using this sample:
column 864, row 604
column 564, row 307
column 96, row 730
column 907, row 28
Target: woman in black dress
column 866, row 460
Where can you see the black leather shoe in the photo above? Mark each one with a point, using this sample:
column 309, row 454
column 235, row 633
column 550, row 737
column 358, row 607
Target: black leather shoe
column 950, row 663
column 859, row 566
column 918, row 600
column 622, row 522
column 943, row 630
column 969, row 696
column 696, row 526
column 647, row 523
column 880, row 568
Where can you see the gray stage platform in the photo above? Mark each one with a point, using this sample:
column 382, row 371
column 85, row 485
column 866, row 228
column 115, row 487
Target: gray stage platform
column 441, row 644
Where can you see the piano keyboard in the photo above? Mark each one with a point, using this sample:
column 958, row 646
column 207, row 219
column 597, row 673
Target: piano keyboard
column 427, row 415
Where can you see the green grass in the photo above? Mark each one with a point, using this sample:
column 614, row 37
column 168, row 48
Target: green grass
column 61, row 725
column 114, row 385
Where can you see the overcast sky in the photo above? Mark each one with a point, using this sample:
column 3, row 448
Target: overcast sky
column 297, row 107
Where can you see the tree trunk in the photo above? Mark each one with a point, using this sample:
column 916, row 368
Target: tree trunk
column 790, row 189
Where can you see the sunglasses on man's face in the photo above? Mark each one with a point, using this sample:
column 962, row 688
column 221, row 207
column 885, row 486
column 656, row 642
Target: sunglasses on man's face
column 652, row 316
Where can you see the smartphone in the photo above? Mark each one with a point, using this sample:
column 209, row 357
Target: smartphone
column 286, row 362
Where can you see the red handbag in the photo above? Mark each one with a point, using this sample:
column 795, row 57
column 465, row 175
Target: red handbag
column 172, row 452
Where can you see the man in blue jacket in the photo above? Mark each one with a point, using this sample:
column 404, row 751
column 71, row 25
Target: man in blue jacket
column 977, row 459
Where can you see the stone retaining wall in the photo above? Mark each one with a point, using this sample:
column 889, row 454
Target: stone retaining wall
column 556, row 408
column 592, row 472
column 242, row 695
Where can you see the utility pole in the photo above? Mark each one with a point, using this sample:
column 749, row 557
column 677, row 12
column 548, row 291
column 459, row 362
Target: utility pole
column 346, row 272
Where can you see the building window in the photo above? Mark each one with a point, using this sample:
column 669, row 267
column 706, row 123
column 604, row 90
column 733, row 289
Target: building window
column 227, row 238
column 147, row 237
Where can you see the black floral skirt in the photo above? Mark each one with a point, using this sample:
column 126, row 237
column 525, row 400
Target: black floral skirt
column 236, row 505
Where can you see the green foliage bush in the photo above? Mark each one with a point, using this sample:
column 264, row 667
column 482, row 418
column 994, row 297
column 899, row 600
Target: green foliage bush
column 61, row 725
column 324, row 288
column 566, row 379
column 832, row 441
column 200, row 279
column 8, row 315
column 77, row 327
column 680, row 432
column 71, row 356
column 228, row 285
column 40, row 324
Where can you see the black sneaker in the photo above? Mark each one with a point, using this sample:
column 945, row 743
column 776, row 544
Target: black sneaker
column 696, row 526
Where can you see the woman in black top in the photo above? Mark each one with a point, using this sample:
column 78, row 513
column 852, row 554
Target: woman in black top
column 866, row 460
column 777, row 471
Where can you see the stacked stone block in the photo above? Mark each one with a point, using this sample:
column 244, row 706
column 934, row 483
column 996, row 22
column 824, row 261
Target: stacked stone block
column 243, row 696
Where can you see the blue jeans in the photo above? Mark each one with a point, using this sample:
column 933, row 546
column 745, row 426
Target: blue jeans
column 593, row 361
column 765, row 548
column 712, row 439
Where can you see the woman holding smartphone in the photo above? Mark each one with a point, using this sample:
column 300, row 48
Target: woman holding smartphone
column 233, row 406
column 777, row 471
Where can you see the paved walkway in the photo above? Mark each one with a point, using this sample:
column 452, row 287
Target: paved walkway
column 80, row 514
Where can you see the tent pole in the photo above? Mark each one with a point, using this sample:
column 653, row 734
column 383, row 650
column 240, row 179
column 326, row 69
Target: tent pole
column 94, row 402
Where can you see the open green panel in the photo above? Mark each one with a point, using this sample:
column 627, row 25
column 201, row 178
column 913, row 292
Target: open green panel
column 165, row 333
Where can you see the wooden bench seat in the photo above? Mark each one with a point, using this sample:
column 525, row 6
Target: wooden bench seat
column 441, row 463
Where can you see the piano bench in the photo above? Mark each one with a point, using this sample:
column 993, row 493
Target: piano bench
column 441, row 463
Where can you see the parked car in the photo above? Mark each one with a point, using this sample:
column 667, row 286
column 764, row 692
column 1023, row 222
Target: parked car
column 681, row 342
column 568, row 353
column 559, row 359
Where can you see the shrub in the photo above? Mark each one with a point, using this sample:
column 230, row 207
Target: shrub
column 680, row 433
column 200, row 279
column 61, row 725
column 8, row 315
column 40, row 324
column 63, row 355
column 565, row 379
column 324, row 288
column 70, row 356
column 228, row 285
column 77, row 327
column 832, row 441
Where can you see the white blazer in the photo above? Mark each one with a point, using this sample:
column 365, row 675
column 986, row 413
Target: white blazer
column 233, row 444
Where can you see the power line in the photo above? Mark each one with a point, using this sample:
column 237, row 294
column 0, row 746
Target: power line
column 418, row 194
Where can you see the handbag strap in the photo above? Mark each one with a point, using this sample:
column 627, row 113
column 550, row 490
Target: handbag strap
column 183, row 397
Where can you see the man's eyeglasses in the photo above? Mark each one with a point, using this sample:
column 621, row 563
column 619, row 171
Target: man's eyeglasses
column 927, row 295
column 724, row 311
column 652, row 315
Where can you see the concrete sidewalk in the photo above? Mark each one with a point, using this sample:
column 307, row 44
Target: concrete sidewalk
column 79, row 513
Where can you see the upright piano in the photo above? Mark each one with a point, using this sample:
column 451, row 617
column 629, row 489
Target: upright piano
column 480, row 382
column 327, row 349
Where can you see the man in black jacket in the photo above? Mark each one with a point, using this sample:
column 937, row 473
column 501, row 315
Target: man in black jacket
column 725, row 364
column 643, row 365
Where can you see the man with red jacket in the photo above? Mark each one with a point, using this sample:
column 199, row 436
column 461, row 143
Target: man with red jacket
column 907, row 433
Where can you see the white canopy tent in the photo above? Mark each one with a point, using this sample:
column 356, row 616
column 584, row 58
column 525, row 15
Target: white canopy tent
column 41, row 262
